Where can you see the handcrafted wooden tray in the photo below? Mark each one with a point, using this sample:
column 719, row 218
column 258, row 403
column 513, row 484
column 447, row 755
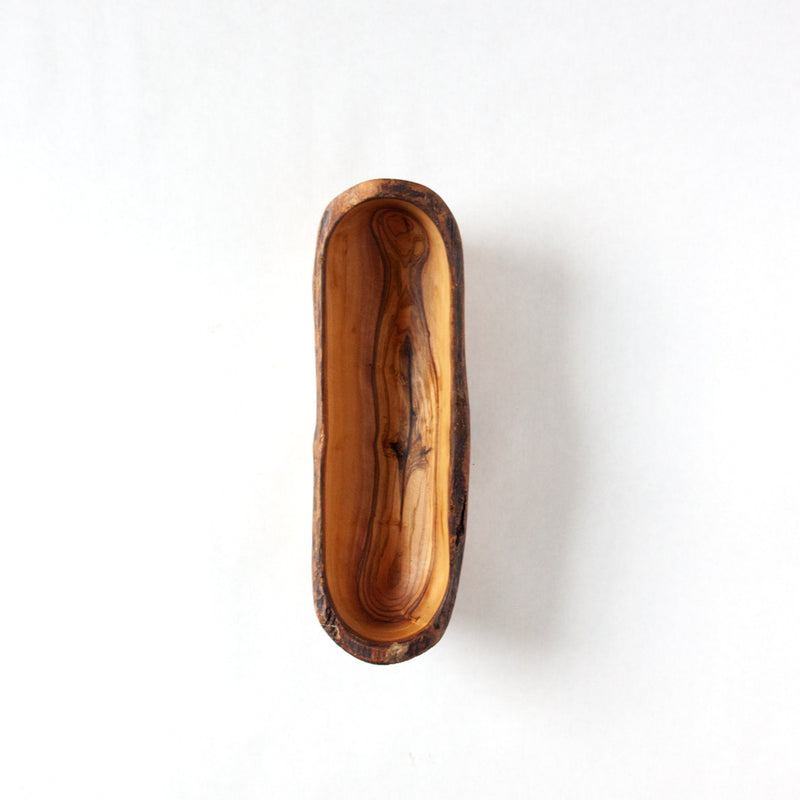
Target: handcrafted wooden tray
column 391, row 451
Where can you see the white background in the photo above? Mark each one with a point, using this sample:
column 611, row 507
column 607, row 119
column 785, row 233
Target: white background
column 626, row 177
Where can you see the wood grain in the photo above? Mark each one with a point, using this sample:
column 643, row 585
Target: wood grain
column 392, row 442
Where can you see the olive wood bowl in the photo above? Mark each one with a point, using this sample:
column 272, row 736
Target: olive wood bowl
column 391, row 450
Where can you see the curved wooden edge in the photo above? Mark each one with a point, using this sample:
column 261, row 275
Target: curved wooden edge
column 431, row 204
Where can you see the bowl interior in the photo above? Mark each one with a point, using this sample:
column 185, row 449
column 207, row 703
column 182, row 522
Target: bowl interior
column 387, row 378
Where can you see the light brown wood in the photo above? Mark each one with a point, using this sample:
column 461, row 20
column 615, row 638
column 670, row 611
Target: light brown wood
column 386, row 479
column 388, row 410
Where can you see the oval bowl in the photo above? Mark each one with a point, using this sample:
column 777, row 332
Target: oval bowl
column 391, row 450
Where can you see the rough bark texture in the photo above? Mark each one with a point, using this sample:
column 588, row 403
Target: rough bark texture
column 395, row 562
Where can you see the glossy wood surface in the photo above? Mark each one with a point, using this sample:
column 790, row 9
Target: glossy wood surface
column 391, row 453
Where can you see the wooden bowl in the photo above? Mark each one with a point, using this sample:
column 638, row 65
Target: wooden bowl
column 391, row 450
